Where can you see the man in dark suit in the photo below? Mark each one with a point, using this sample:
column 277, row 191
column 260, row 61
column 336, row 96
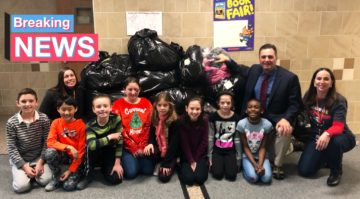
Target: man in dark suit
column 279, row 92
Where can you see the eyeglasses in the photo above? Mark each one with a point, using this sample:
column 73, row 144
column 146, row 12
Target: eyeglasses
column 267, row 56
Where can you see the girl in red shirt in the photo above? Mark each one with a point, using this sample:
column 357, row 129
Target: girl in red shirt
column 135, row 113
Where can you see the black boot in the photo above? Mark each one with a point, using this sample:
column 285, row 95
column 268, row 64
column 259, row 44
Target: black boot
column 334, row 180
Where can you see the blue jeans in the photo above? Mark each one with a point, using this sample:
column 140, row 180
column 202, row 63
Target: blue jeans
column 134, row 165
column 251, row 176
column 312, row 160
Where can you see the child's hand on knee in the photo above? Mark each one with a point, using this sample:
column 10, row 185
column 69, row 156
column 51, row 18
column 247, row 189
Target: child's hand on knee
column 28, row 170
column 65, row 175
column 149, row 149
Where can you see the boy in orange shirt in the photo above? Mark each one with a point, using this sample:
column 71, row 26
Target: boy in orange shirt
column 66, row 145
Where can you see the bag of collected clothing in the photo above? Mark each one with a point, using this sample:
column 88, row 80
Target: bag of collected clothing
column 215, row 71
column 302, row 127
column 148, row 52
column 178, row 49
column 230, row 84
column 155, row 81
column 107, row 74
column 179, row 97
column 123, row 63
column 191, row 70
column 101, row 56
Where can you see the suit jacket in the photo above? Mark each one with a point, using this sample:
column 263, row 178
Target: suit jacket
column 285, row 97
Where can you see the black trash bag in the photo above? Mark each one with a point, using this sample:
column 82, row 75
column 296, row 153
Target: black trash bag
column 191, row 70
column 123, row 63
column 208, row 108
column 154, row 81
column 179, row 96
column 179, row 49
column 234, row 84
column 101, row 56
column 302, row 127
column 148, row 52
column 90, row 94
column 108, row 74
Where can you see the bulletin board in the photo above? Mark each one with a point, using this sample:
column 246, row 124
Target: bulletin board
column 136, row 21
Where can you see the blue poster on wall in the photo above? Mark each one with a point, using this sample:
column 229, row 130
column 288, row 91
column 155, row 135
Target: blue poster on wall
column 234, row 24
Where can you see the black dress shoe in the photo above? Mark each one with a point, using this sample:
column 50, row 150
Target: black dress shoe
column 298, row 145
column 333, row 180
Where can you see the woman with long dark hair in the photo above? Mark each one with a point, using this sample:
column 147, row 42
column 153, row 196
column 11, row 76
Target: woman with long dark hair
column 331, row 137
column 67, row 86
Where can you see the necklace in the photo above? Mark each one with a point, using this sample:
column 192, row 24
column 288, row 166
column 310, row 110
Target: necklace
column 320, row 110
column 320, row 114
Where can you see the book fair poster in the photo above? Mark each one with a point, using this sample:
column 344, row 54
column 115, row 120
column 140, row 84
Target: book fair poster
column 234, row 24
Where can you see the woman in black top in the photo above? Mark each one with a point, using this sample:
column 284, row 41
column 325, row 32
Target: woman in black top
column 331, row 136
column 68, row 85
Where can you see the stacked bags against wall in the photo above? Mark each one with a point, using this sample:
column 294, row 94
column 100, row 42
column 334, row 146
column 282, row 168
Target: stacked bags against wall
column 155, row 61
column 192, row 78
column 163, row 67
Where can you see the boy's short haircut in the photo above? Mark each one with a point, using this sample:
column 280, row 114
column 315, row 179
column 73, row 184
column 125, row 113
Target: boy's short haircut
column 101, row 96
column 254, row 99
column 26, row 91
column 68, row 101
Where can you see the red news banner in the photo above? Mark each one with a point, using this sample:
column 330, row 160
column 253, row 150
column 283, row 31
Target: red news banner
column 47, row 38
column 53, row 47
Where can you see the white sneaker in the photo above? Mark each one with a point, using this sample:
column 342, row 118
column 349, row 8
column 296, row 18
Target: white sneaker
column 52, row 185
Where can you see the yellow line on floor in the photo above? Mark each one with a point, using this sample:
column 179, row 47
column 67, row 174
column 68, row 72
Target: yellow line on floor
column 194, row 192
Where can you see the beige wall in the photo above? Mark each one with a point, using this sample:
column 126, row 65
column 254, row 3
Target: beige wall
column 15, row 76
column 308, row 34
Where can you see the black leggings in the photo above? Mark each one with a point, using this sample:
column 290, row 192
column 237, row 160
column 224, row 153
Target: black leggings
column 105, row 156
column 224, row 164
column 190, row 177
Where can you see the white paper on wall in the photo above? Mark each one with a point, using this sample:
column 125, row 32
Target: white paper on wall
column 136, row 21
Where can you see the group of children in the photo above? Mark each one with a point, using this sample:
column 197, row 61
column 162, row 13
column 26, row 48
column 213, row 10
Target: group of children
column 132, row 137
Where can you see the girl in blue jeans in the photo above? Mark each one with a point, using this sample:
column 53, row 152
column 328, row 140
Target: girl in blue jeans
column 253, row 133
column 135, row 113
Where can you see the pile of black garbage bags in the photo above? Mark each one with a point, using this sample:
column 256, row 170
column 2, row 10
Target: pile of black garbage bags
column 161, row 67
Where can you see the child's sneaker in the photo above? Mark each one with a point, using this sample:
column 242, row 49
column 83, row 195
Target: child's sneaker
column 84, row 182
column 53, row 184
